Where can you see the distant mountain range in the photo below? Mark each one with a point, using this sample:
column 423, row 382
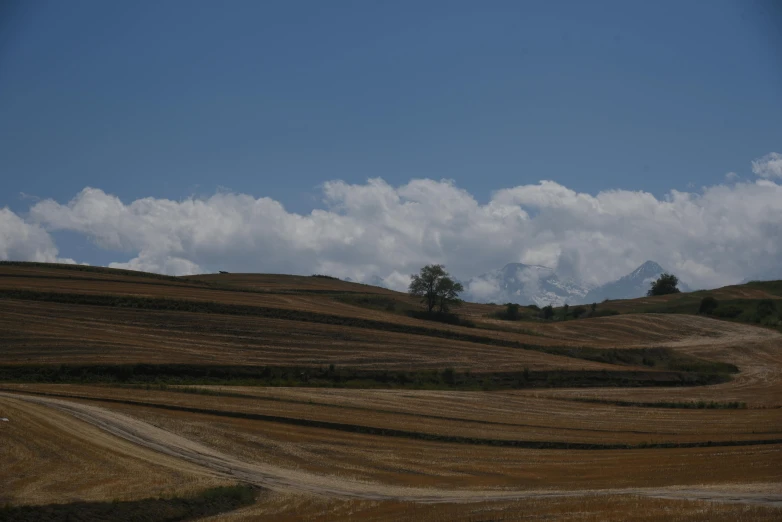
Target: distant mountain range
column 533, row 284
column 524, row 284
column 540, row 285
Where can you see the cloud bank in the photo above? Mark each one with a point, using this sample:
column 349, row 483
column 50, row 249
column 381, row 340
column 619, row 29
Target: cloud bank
column 716, row 236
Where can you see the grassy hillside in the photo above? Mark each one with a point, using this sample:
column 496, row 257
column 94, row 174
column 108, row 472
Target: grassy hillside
column 735, row 303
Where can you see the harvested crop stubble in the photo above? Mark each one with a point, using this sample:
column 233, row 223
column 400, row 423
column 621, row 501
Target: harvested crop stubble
column 51, row 457
column 587, row 508
column 409, row 462
column 654, row 330
column 58, row 333
column 463, row 415
column 301, row 478
column 376, row 454
column 758, row 384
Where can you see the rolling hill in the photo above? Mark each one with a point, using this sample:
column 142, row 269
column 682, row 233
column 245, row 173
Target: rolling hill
column 332, row 402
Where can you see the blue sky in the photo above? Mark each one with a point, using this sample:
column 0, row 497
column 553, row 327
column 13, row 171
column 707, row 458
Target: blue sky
column 272, row 99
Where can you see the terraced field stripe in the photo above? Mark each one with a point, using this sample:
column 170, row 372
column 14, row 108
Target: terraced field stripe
column 415, row 435
column 627, row 357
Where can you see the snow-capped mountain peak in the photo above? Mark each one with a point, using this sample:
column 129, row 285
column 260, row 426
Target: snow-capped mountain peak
column 525, row 284
column 648, row 269
column 540, row 285
column 635, row 284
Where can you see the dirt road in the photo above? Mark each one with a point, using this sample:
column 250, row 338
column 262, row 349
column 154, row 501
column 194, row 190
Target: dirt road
column 145, row 435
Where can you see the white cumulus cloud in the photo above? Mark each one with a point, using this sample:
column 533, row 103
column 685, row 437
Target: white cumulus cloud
column 769, row 166
column 22, row 241
column 375, row 231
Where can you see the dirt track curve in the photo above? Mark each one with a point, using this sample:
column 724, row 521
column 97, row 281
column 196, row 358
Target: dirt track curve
column 222, row 465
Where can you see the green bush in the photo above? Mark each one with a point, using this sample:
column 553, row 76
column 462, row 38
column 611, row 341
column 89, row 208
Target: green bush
column 578, row 312
column 765, row 309
column 510, row 313
column 708, row 305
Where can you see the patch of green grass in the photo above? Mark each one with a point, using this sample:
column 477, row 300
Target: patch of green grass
column 206, row 503
column 737, row 310
column 384, row 303
column 772, row 287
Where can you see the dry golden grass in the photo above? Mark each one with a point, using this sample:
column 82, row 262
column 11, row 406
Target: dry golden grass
column 49, row 457
column 640, row 330
column 139, row 287
column 755, row 351
column 55, row 333
column 588, row 508
column 487, row 415
column 52, row 457
column 415, row 463
column 252, row 462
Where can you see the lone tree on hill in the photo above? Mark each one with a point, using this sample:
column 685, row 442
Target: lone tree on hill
column 435, row 288
column 666, row 284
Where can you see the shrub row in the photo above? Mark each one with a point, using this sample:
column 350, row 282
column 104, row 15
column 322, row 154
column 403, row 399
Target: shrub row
column 210, row 502
column 685, row 405
column 182, row 374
